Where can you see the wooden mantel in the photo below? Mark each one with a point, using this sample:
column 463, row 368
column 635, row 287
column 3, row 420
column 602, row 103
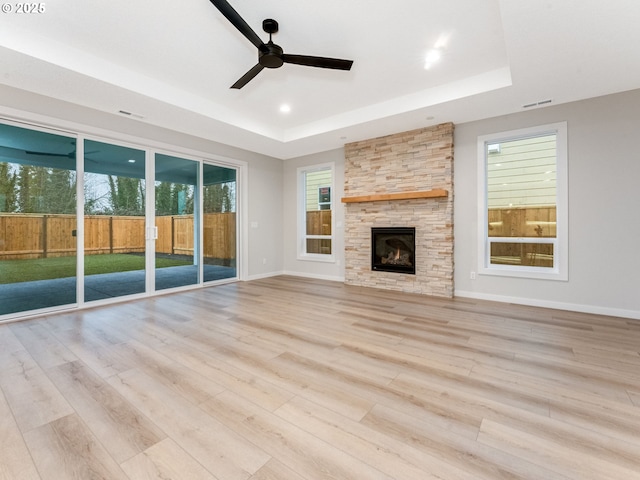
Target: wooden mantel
column 435, row 193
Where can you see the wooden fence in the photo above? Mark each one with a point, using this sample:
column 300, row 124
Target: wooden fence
column 522, row 222
column 40, row 236
column 319, row 223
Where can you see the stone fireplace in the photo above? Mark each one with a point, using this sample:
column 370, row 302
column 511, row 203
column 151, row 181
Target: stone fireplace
column 398, row 181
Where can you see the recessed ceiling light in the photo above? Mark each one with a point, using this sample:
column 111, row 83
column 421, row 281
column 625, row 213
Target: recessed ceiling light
column 284, row 108
column 442, row 42
column 432, row 57
column 131, row 160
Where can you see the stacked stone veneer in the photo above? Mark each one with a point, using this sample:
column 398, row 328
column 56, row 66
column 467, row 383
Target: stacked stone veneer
column 412, row 161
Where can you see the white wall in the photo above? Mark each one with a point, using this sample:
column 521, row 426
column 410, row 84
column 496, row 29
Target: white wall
column 604, row 208
column 305, row 268
column 264, row 187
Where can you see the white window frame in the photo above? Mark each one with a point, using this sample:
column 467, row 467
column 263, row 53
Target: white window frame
column 559, row 271
column 302, row 216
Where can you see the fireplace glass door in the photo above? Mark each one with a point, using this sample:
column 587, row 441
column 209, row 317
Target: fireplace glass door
column 393, row 249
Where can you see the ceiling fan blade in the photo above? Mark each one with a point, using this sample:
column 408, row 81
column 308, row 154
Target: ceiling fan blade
column 322, row 62
column 247, row 77
column 238, row 22
column 48, row 154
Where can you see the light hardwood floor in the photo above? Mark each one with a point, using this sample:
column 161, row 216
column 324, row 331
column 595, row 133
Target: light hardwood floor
column 291, row 379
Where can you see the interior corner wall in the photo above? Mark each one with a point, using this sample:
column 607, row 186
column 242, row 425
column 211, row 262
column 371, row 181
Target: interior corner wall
column 306, row 268
column 264, row 198
column 604, row 209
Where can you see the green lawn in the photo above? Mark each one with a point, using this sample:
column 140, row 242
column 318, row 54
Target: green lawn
column 15, row 271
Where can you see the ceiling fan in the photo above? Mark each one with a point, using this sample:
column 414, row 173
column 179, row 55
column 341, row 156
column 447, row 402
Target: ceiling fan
column 71, row 154
column 271, row 55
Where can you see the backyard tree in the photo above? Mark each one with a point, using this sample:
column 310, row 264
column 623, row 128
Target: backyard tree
column 60, row 191
column 8, row 193
column 182, row 199
column 163, row 198
column 45, row 190
column 174, row 198
column 217, row 198
column 126, row 195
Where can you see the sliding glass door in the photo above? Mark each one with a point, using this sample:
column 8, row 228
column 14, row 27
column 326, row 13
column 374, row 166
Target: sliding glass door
column 219, row 207
column 177, row 222
column 149, row 221
column 37, row 220
column 114, row 221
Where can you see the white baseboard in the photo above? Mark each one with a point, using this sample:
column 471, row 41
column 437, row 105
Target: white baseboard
column 573, row 307
column 263, row 275
column 330, row 278
column 295, row 274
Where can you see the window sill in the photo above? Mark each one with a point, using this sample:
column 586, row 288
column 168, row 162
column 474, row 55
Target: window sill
column 317, row 258
column 533, row 273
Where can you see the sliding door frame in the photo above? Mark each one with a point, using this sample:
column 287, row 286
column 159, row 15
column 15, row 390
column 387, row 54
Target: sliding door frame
column 81, row 133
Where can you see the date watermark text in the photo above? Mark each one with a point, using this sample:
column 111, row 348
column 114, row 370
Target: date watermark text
column 23, row 8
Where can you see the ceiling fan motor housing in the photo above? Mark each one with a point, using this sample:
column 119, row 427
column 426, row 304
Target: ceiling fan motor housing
column 271, row 56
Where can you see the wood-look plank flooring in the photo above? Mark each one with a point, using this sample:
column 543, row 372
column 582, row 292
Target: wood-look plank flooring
column 296, row 379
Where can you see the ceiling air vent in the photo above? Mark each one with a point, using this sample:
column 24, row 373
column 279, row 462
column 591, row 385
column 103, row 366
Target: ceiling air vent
column 129, row 114
column 537, row 104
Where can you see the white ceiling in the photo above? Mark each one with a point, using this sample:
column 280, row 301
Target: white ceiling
column 171, row 63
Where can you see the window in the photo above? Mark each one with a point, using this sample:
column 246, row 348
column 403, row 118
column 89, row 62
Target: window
column 523, row 213
column 315, row 238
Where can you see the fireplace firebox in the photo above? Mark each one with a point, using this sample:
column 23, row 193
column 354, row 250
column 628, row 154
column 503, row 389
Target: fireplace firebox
column 393, row 249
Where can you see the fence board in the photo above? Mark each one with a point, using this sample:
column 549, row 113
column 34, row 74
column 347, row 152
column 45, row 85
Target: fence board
column 21, row 236
column 127, row 234
column 164, row 243
column 183, row 235
column 220, row 235
column 97, row 238
column 60, row 240
column 319, row 222
column 522, row 222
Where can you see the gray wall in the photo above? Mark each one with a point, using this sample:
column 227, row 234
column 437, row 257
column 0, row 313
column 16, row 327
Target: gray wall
column 604, row 208
column 293, row 266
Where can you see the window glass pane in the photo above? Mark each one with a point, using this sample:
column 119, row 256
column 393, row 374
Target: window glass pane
column 521, row 187
column 37, row 220
column 527, row 254
column 177, row 244
column 319, row 246
column 318, row 205
column 114, row 221
column 219, row 203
